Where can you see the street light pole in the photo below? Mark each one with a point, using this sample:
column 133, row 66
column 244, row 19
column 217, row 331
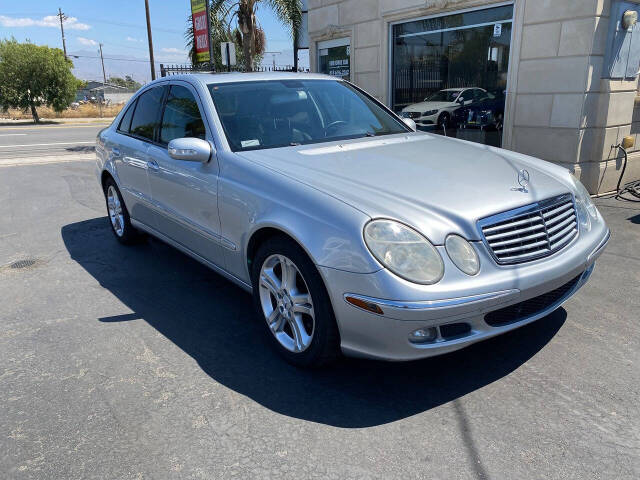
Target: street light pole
column 62, row 18
column 153, row 67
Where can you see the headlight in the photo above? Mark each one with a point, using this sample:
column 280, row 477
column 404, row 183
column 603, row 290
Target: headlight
column 428, row 113
column 462, row 254
column 404, row 251
column 587, row 211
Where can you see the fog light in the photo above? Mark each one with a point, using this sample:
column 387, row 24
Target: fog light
column 423, row 335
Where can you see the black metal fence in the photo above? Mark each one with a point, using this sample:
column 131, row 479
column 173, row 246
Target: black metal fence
column 178, row 69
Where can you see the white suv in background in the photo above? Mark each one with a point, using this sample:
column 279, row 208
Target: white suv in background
column 437, row 109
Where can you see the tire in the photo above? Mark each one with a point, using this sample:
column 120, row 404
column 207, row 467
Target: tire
column 118, row 215
column 285, row 307
column 444, row 120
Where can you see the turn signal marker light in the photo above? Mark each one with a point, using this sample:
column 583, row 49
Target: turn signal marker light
column 364, row 305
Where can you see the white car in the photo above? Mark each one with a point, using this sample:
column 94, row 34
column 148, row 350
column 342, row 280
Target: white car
column 437, row 109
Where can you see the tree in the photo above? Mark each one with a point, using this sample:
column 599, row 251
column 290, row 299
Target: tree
column 31, row 76
column 247, row 32
column 126, row 82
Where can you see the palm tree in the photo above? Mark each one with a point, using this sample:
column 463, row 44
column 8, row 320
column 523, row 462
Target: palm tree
column 247, row 33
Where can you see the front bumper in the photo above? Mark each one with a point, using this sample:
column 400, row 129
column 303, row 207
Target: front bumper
column 459, row 301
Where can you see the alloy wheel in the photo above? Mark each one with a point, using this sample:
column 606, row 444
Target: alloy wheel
column 286, row 303
column 115, row 211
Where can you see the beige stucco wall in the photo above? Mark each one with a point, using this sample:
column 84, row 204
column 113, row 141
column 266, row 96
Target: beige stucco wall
column 558, row 107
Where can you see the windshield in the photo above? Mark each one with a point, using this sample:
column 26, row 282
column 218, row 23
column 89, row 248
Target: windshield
column 277, row 113
column 443, row 96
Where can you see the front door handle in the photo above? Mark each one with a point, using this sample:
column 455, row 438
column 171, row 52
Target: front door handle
column 153, row 165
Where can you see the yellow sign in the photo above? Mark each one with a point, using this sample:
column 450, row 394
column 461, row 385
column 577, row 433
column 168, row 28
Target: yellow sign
column 198, row 6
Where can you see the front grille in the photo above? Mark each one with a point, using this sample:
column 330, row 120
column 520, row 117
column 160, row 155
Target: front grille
column 411, row 114
column 531, row 232
column 528, row 308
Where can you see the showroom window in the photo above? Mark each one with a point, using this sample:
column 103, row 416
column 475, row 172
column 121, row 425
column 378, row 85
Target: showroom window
column 449, row 73
column 334, row 58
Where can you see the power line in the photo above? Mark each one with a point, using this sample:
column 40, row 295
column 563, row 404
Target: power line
column 108, row 22
column 122, row 59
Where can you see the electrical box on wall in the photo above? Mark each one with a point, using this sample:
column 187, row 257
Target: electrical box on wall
column 623, row 43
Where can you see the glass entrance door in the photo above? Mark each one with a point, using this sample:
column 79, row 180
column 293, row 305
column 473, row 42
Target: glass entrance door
column 449, row 73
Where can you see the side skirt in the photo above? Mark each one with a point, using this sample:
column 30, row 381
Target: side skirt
column 151, row 231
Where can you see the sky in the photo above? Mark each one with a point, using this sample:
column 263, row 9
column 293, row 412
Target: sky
column 120, row 26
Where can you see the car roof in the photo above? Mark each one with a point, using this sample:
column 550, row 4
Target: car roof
column 231, row 77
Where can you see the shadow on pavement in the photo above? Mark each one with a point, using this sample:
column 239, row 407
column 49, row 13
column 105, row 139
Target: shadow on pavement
column 212, row 320
column 81, row 149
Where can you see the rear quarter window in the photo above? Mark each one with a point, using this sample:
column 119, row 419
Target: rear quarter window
column 146, row 117
column 125, row 122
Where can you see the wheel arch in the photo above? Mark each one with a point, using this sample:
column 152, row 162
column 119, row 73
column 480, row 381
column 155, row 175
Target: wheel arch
column 104, row 176
column 262, row 234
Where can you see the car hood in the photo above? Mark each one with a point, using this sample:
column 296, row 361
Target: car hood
column 436, row 184
column 426, row 106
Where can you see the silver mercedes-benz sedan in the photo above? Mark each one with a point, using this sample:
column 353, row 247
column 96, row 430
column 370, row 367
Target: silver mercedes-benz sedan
column 354, row 232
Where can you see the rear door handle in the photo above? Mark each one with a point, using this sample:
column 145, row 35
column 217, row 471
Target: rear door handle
column 153, row 165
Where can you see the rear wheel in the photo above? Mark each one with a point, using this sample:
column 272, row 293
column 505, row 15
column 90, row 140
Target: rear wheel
column 291, row 299
column 119, row 218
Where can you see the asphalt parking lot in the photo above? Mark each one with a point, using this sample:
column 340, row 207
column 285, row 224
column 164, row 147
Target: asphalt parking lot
column 140, row 363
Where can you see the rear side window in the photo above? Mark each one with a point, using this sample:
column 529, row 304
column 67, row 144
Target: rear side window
column 125, row 123
column 181, row 116
column 147, row 113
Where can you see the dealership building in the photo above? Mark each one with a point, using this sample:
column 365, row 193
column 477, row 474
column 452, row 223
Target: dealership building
column 556, row 79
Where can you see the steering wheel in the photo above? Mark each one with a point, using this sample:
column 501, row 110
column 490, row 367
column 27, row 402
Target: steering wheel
column 333, row 125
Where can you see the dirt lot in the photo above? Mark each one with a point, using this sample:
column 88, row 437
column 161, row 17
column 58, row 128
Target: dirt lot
column 88, row 110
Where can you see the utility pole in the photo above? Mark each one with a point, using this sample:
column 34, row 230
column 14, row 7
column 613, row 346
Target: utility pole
column 153, row 67
column 62, row 18
column 104, row 75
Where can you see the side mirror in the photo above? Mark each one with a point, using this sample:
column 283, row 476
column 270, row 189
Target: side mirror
column 461, row 100
column 190, row 149
column 410, row 123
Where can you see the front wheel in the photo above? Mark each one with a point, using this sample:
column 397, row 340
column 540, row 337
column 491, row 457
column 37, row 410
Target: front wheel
column 444, row 120
column 292, row 301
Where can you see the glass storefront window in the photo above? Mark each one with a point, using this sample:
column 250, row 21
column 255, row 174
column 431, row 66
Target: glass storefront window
column 449, row 73
column 334, row 58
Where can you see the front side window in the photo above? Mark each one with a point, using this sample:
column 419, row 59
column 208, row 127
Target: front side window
column 146, row 115
column 278, row 113
column 181, row 117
